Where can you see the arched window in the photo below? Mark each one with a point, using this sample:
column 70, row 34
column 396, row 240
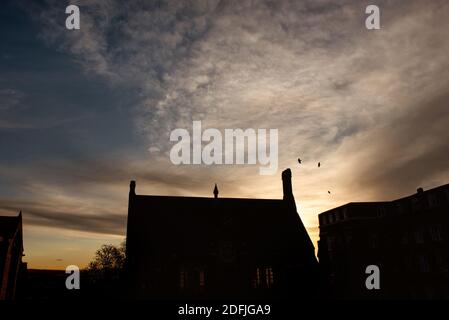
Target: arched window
column 183, row 277
column 263, row 277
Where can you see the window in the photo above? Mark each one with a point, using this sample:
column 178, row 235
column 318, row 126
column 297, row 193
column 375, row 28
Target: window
column 197, row 279
column 330, row 243
column 202, row 279
column 269, row 277
column 257, row 279
column 374, row 241
column 381, row 212
column 435, row 233
column 423, row 264
column 264, row 277
column 183, row 279
column 337, row 216
column 419, row 237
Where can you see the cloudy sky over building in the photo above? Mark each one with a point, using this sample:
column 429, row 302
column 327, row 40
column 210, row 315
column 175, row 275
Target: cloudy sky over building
column 83, row 112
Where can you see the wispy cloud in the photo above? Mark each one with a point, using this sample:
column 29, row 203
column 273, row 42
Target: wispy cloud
column 368, row 104
column 9, row 98
column 63, row 215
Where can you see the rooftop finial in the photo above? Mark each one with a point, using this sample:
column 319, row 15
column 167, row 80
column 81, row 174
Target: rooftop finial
column 216, row 192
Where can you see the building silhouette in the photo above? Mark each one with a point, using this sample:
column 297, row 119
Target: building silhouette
column 12, row 269
column 408, row 239
column 198, row 247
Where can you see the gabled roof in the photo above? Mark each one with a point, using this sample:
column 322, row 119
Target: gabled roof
column 197, row 222
column 9, row 225
column 184, row 216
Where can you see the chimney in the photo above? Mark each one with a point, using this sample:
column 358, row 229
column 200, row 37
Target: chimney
column 287, row 184
column 132, row 188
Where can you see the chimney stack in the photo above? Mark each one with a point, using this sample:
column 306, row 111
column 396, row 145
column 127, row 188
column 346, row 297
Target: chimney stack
column 287, row 184
column 132, row 188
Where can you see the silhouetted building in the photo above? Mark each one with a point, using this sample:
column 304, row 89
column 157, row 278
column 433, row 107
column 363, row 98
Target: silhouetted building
column 408, row 239
column 11, row 251
column 193, row 247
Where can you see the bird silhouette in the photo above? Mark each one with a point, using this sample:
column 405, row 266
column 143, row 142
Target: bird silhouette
column 299, row 160
column 319, row 164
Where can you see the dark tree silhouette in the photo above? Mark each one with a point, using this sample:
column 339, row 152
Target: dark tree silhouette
column 106, row 269
column 108, row 257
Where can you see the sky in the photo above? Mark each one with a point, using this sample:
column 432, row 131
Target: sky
column 83, row 112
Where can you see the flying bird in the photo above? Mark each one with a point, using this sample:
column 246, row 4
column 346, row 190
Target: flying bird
column 299, row 160
column 329, row 192
column 319, row 164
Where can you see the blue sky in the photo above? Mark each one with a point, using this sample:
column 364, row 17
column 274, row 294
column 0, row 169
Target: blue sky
column 53, row 114
column 83, row 112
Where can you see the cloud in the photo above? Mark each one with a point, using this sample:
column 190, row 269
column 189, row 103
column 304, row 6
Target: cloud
column 16, row 122
column 44, row 214
column 15, row 112
column 10, row 98
column 307, row 69
column 413, row 152
column 368, row 104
